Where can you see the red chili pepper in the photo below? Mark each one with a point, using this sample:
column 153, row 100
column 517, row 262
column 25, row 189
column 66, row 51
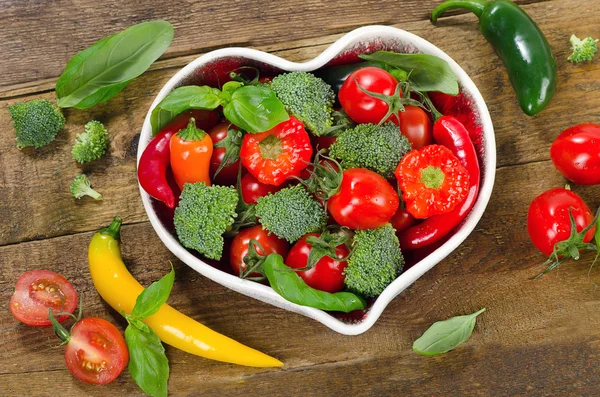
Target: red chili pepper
column 152, row 168
column 451, row 133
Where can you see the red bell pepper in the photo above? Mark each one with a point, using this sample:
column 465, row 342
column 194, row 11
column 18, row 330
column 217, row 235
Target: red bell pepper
column 154, row 162
column 451, row 133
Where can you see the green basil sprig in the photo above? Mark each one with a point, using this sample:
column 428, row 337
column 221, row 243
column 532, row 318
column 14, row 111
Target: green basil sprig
column 148, row 364
column 101, row 71
column 444, row 336
column 251, row 108
column 289, row 285
column 425, row 72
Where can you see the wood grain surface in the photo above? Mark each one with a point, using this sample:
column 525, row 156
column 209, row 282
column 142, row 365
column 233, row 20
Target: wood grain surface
column 537, row 338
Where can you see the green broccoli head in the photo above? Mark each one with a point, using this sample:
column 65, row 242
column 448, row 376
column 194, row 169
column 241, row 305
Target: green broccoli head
column 291, row 213
column 377, row 148
column 375, row 262
column 91, row 144
column 81, row 186
column 204, row 213
column 36, row 122
column 308, row 98
column 583, row 50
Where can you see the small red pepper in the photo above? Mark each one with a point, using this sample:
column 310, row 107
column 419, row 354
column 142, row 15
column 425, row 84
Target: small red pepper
column 451, row 133
column 152, row 168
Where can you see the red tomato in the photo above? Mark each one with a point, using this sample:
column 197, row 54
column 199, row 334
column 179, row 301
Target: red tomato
column 415, row 125
column 323, row 142
column 402, row 220
column 328, row 274
column 278, row 154
column 576, row 153
column 96, row 352
column 548, row 218
column 361, row 107
column 36, row 292
column 239, row 247
column 228, row 175
column 252, row 189
column 365, row 200
column 205, row 119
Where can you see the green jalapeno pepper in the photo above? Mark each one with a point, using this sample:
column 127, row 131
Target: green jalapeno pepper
column 519, row 43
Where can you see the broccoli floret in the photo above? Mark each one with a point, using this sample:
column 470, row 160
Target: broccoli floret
column 36, row 122
column 81, row 186
column 377, row 148
column 92, row 144
column 583, row 50
column 375, row 262
column 290, row 213
column 308, row 98
column 204, row 213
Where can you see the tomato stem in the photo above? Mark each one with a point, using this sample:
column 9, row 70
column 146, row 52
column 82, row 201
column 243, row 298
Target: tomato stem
column 58, row 329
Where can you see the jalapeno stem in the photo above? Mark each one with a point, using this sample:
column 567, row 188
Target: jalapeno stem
column 475, row 6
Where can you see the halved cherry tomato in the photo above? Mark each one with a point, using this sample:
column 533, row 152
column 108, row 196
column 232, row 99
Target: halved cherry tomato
column 360, row 106
column 239, row 247
column 365, row 200
column 576, row 153
column 36, row 292
column 278, row 154
column 415, row 125
column 227, row 175
column 548, row 219
column 96, row 352
column 328, row 274
column 252, row 189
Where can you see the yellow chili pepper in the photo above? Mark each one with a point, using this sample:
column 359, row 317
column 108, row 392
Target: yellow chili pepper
column 118, row 287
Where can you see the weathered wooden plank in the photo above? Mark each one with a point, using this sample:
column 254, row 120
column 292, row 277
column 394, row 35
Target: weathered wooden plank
column 42, row 36
column 531, row 327
column 35, row 183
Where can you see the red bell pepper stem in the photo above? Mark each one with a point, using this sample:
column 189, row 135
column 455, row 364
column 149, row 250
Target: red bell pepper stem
column 451, row 133
column 152, row 169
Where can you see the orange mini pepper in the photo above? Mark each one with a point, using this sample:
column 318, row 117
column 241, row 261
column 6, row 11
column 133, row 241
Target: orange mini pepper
column 191, row 150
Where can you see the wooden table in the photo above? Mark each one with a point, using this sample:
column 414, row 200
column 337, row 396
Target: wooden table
column 538, row 338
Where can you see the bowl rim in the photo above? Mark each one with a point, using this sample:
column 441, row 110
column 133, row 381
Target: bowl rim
column 266, row 293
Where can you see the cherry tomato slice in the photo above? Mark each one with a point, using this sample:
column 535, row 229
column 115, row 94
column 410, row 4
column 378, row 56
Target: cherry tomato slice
column 36, row 292
column 97, row 352
column 239, row 247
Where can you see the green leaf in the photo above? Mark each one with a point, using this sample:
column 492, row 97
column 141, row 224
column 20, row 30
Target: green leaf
column 153, row 297
column 255, row 109
column 148, row 364
column 181, row 99
column 444, row 336
column 288, row 284
column 426, row 72
column 101, row 71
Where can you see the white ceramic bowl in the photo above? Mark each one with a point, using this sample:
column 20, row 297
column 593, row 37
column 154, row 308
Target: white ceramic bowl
column 368, row 38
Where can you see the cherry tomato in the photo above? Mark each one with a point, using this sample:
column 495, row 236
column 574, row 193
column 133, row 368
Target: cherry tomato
column 323, row 142
column 97, row 352
column 402, row 220
column 415, row 125
column 358, row 105
column 228, row 175
column 548, row 218
column 328, row 274
column 576, row 153
column 279, row 154
column 239, row 247
column 252, row 189
column 36, row 292
column 365, row 200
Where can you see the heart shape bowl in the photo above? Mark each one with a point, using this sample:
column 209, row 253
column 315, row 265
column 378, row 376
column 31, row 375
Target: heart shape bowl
column 469, row 107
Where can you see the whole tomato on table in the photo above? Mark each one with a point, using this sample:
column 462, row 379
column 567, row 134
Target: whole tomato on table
column 576, row 153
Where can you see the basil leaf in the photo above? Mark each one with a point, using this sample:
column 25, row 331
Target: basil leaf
column 101, row 71
column 288, row 284
column 153, row 297
column 148, row 364
column 426, row 72
column 181, row 99
column 255, row 109
column 444, row 336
